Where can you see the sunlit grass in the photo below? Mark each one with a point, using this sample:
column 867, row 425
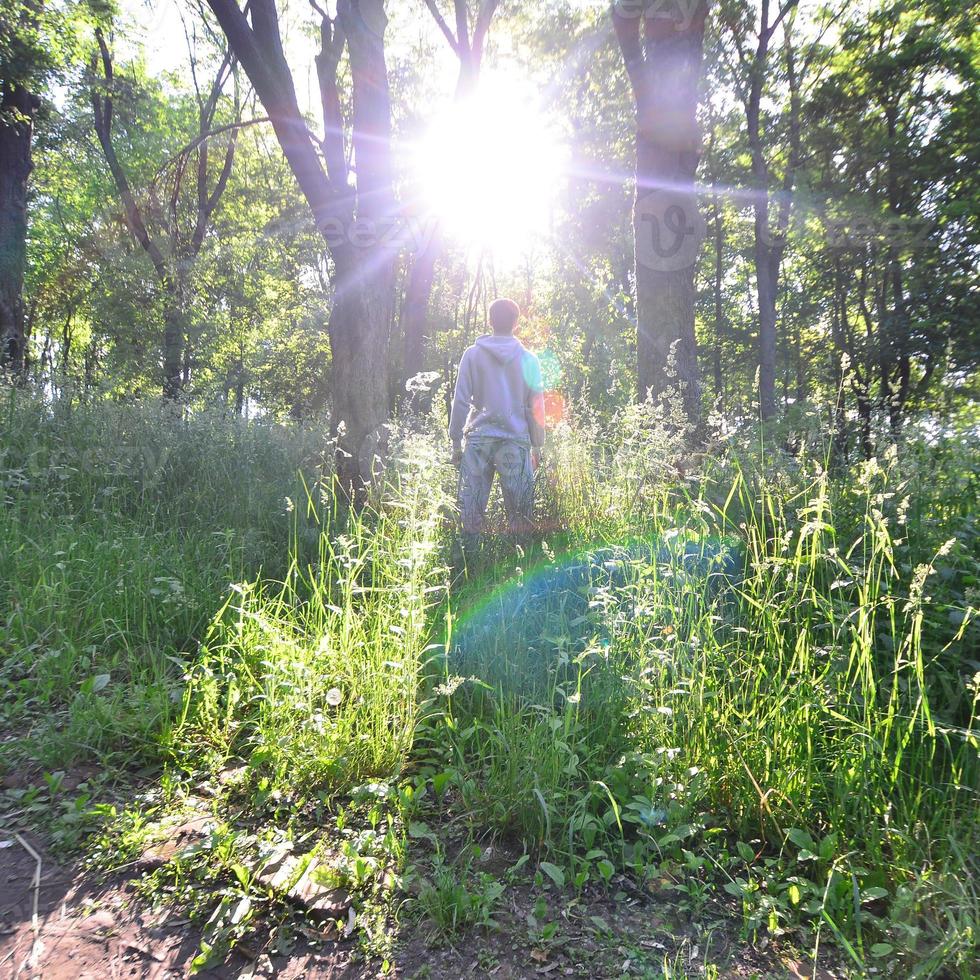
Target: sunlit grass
column 739, row 665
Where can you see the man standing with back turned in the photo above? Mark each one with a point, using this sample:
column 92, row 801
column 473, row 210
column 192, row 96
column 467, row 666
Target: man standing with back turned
column 499, row 409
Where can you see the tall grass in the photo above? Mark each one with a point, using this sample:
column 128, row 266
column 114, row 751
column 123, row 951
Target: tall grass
column 738, row 662
column 120, row 529
column 783, row 658
column 315, row 680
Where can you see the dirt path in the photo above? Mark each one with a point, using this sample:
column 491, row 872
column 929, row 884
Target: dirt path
column 84, row 929
column 97, row 929
column 94, row 928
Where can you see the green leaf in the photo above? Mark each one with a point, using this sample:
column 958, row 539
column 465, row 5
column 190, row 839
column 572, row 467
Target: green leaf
column 419, row 830
column 241, row 910
column 881, row 949
column 870, row 894
column 554, row 873
column 745, row 852
column 801, row 839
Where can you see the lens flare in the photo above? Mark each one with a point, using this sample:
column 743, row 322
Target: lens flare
column 490, row 166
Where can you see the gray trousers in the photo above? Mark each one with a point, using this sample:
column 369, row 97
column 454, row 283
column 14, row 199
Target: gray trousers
column 511, row 462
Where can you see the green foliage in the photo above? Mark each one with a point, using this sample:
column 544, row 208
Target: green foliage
column 452, row 897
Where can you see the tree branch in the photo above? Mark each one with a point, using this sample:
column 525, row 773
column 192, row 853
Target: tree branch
column 443, row 26
column 462, row 28
column 332, row 42
column 481, row 28
column 102, row 112
column 627, row 30
column 260, row 54
column 784, row 10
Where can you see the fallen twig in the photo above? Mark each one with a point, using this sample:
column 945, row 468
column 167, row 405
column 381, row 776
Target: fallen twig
column 35, row 924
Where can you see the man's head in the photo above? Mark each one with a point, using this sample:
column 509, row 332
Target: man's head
column 503, row 316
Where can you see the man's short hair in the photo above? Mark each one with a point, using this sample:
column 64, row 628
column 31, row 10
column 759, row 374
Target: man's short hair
column 503, row 315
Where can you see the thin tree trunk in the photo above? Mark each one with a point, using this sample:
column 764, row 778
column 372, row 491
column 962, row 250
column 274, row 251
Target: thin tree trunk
column 17, row 110
column 719, row 305
column 896, row 319
column 838, row 446
column 766, row 276
column 801, row 386
column 770, row 242
column 418, row 292
column 173, row 267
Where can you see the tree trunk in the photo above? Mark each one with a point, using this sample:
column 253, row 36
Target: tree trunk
column 358, row 329
column 173, row 268
column 666, row 351
column 838, row 445
column 362, row 275
column 801, row 385
column 770, row 241
column 719, row 304
column 766, row 273
column 173, row 340
column 896, row 328
column 418, row 290
column 663, row 60
column 17, row 110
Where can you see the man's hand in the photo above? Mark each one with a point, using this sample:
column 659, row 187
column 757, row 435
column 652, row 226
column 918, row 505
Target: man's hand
column 535, row 458
column 457, row 457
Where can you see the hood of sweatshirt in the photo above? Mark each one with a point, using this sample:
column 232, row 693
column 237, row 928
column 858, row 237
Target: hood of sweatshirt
column 504, row 349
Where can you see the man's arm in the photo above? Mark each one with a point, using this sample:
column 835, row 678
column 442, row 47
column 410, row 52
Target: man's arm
column 462, row 399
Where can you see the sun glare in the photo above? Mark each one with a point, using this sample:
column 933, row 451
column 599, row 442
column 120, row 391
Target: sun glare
column 489, row 169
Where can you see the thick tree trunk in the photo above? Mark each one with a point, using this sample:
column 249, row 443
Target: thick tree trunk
column 17, row 110
column 666, row 350
column 663, row 60
column 362, row 275
column 358, row 328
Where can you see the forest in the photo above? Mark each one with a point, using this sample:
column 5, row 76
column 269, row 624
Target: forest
column 699, row 698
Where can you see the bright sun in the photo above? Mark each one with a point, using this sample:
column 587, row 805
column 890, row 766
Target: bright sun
column 489, row 168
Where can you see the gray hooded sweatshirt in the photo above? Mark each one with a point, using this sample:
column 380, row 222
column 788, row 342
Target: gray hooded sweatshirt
column 499, row 393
